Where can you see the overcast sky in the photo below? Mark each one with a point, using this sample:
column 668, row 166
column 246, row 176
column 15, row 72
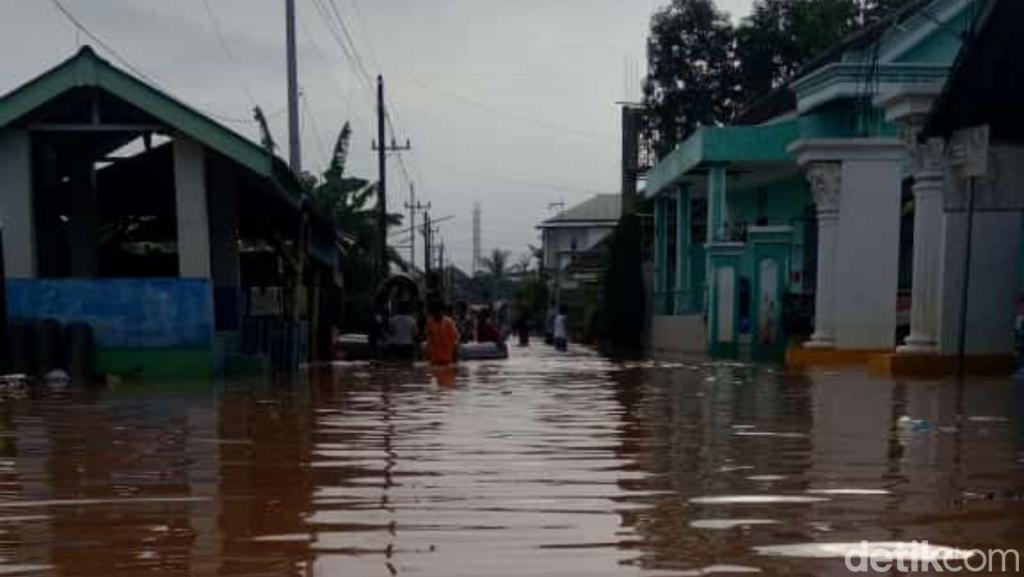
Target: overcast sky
column 507, row 102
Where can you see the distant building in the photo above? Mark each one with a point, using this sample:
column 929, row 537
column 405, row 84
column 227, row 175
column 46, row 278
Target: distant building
column 576, row 231
column 181, row 243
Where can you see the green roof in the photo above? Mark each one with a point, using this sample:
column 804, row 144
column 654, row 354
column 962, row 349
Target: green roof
column 723, row 145
column 86, row 69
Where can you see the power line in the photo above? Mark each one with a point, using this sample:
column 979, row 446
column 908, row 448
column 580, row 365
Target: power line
column 360, row 67
column 311, row 121
column 333, row 20
column 539, row 122
column 121, row 59
column 131, row 67
column 344, row 29
column 228, row 53
column 538, row 184
column 361, row 24
column 357, row 69
column 323, row 58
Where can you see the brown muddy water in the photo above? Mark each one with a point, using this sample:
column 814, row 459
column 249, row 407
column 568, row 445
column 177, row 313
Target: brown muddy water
column 542, row 465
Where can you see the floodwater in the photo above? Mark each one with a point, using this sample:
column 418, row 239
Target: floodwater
column 545, row 464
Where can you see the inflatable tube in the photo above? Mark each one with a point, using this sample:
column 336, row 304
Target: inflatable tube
column 482, row 351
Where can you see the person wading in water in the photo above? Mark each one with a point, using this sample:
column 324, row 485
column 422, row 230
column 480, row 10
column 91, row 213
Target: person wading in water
column 442, row 336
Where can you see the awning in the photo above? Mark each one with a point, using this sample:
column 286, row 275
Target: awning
column 749, row 149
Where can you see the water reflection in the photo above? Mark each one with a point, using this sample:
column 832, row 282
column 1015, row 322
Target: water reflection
column 541, row 465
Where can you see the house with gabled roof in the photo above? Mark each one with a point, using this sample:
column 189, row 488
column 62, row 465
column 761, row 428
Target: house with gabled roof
column 165, row 231
column 573, row 232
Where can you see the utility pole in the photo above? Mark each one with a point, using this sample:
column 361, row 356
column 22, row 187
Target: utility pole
column 382, row 189
column 413, row 207
column 294, row 147
column 476, row 238
column 426, row 243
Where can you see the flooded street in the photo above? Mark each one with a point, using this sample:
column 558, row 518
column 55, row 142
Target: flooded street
column 540, row 465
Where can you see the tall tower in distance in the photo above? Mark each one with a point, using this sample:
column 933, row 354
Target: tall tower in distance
column 476, row 237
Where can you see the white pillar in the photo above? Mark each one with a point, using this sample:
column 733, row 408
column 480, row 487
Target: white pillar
column 929, row 182
column 192, row 210
column 17, row 217
column 864, row 273
column 825, row 180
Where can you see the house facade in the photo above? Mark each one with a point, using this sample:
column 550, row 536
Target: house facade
column 572, row 233
column 799, row 214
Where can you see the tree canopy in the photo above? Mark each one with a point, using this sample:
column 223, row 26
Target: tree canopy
column 702, row 69
column 691, row 78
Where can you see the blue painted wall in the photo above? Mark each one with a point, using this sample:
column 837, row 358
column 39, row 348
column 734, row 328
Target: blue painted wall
column 124, row 313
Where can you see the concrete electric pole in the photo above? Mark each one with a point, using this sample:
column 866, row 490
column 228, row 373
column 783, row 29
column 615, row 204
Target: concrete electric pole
column 382, row 189
column 294, row 146
column 413, row 208
column 476, row 238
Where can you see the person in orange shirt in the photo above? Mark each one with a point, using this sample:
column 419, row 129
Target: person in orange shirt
column 442, row 336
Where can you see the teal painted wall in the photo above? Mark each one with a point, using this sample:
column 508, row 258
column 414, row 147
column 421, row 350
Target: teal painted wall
column 842, row 119
column 940, row 47
column 785, row 203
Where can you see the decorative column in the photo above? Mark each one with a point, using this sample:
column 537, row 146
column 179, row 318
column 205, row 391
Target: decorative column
column 682, row 273
column 929, row 182
column 825, row 179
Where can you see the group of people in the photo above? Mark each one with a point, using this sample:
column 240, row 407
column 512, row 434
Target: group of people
column 442, row 331
column 400, row 335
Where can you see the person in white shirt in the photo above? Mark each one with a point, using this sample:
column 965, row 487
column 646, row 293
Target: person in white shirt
column 561, row 332
column 402, row 333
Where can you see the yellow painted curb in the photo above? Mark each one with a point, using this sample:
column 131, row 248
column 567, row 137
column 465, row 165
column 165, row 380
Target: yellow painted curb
column 933, row 366
column 801, row 357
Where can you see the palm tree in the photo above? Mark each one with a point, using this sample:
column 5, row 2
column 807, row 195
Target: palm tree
column 347, row 201
column 496, row 265
column 524, row 263
column 350, row 205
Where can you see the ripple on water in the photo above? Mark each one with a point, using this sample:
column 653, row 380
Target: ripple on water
column 720, row 569
column 755, row 499
column 723, row 524
column 23, row 568
column 850, row 491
